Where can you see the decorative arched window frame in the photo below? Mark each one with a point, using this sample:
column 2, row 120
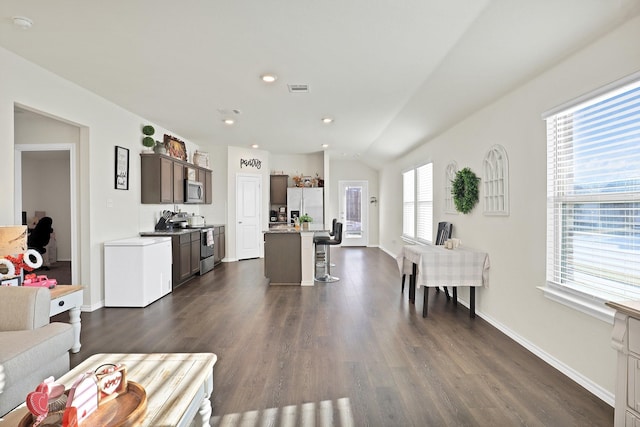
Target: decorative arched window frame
column 495, row 181
column 449, row 176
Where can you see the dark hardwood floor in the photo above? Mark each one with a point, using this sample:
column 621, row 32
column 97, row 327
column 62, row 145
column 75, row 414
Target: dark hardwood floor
column 354, row 352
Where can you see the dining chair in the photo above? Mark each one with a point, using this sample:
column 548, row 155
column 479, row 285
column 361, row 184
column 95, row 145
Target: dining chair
column 444, row 232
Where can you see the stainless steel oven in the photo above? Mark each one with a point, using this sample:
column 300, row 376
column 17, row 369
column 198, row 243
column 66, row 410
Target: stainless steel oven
column 206, row 250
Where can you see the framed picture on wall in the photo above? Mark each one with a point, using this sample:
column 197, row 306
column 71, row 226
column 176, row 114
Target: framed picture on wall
column 122, row 168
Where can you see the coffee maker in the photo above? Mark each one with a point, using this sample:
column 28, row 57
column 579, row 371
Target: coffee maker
column 273, row 216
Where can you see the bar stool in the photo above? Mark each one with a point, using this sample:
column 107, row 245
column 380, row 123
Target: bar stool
column 336, row 240
column 332, row 233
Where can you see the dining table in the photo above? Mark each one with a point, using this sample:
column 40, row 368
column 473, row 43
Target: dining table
column 435, row 266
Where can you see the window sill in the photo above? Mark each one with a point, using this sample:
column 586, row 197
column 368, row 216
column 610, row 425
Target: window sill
column 580, row 301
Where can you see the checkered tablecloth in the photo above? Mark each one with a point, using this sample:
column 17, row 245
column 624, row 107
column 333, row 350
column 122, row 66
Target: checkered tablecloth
column 437, row 266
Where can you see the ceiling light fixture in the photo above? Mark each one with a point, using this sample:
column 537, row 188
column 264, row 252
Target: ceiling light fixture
column 254, row 146
column 269, row 78
column 327, row 120
column 228, row 121
column 22, row 22
column 325, row 145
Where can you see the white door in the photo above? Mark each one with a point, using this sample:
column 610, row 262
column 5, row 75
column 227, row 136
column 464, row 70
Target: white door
column 354, row 212
column 248, row 214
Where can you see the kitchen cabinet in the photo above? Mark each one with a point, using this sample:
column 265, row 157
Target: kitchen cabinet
column 218, row 244
column 204, row 176
column 189, row 255
column 162, row 179
column 178, row 182
column 157, row 179
column 185, row 251
column 282, row 258
column 278, row 189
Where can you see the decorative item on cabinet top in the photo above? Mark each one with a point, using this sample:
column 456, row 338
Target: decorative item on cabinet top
column 175, row 147
column 200, row 158
column 148, row 140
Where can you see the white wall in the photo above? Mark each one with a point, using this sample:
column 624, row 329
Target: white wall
column 298, row 164
column 575, row 342
column 355, row 170
column 104, row 213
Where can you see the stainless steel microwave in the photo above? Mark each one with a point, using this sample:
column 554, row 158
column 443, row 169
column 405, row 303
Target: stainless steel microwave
column 193, row 191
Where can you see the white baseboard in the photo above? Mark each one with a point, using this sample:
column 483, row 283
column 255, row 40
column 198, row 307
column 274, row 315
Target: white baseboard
column 92, row 307
column 595, row 389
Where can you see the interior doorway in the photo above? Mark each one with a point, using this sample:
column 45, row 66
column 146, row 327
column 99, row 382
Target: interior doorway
column 45, row 179
column 249, row 216
column 354, row 212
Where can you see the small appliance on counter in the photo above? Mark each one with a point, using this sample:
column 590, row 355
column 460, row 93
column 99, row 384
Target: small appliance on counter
column 195, row 221
column 170, row 220
column 163, row 222
column 273, row 216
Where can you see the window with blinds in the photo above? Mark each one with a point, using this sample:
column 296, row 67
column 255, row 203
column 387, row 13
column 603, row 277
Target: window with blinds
column 593, row 196
column 417, row 218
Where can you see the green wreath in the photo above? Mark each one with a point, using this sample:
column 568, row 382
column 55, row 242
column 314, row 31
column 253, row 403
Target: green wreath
column 465, row 190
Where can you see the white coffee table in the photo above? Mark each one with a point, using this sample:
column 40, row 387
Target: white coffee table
column 178, row 386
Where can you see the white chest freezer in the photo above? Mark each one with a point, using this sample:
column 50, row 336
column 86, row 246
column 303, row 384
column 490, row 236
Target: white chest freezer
column 137, row 271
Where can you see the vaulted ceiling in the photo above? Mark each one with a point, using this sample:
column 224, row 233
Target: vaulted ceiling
column 391, row 74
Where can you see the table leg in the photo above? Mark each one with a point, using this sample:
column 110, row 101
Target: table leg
column 472, row 305
column 74, row 319
column 412, row 284
column 205, row 413
column 455, row 295
column 425, row 301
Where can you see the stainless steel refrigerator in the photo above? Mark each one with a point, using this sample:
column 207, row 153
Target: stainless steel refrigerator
column 306, row 200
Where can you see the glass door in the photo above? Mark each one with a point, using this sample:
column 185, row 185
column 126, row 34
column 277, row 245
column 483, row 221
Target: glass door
column 354, row 212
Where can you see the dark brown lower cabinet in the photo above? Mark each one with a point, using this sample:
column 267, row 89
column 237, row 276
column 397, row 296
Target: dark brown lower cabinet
column 282, row 258
column 186, row 257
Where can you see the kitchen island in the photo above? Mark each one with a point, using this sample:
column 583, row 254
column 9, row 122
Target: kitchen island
column 289, row 255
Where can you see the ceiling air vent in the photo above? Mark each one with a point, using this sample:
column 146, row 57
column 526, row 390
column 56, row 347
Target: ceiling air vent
column 298, row 88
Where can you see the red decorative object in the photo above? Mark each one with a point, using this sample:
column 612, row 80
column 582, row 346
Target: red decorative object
column 18, row 263
column 70, row 417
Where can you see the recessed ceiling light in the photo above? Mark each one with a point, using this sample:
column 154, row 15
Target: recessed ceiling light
column 228, row 121
column 325, row 145
column 22, row 22
column 269, row 78
column 254, row 146
column 327, row 120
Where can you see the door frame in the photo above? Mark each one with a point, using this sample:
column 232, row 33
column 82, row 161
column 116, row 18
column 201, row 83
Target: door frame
column 342, row 185
column 73, row 193
column 258, row 178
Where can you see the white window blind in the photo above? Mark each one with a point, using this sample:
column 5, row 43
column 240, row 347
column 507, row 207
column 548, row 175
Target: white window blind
column 424, row 196
column 408, row 200
column 593, row 196
column 417, row 222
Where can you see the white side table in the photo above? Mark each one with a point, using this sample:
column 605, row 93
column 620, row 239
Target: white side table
column 68, row 298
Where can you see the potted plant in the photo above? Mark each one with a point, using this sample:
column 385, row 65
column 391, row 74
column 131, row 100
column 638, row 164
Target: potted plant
column 305, row 220
column 148, row 140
